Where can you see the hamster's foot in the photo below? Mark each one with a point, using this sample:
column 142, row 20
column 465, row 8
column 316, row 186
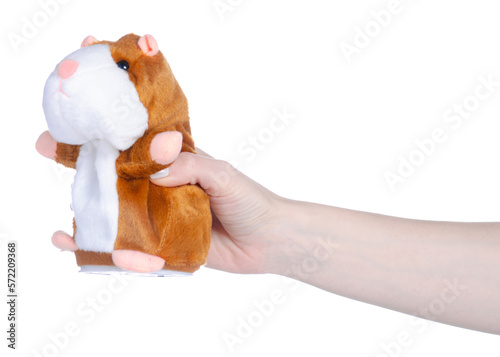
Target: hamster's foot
column 140, row 262
column 46, row 145
column 166, row 146
column 64, row 241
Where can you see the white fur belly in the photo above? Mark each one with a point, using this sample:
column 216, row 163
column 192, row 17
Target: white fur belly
column 95, row 198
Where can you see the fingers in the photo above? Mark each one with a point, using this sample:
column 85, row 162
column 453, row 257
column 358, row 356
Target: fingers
column 46, row 145
column 214, row 176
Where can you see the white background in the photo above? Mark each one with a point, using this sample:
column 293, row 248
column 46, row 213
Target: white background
column 351, row 123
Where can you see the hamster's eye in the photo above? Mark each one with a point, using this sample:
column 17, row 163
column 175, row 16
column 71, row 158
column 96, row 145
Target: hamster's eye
column 123, row 65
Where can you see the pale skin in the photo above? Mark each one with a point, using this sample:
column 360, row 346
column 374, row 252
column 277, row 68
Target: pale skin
column 444, row 271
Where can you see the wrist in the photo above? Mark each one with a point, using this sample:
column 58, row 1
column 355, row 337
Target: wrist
column 304, row 238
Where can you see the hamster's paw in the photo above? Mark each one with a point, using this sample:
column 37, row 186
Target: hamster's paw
column 46, row 145
column 64, row 241
column 140, row 262
column 165, row 147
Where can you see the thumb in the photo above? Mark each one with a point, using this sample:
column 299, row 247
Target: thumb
column 214, row 176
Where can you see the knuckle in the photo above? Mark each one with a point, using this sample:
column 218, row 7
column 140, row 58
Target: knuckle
column 188, row 160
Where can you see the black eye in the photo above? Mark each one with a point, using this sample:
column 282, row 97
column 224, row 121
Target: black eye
column 123, row 65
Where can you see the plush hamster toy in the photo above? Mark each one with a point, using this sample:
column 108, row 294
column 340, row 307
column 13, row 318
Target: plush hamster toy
column 116, row 113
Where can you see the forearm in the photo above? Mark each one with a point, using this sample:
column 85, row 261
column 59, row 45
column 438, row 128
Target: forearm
column 449, row 272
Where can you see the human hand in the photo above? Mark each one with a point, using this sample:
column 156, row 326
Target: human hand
column 246, row 223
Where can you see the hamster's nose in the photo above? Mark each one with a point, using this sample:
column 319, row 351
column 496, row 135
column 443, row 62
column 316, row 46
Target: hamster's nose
column 67, row 68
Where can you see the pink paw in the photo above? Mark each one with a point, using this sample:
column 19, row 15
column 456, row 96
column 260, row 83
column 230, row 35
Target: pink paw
column 64, row 241
column 140, row 262
column 166, row 146
column 46, row 145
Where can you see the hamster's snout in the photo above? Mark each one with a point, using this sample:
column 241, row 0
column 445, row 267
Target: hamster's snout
column 67, row 68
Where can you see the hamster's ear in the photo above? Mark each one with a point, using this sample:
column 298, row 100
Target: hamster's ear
column 89, row 40
column 148, row 45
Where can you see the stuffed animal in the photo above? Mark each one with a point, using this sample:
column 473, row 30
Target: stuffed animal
column 116, row 114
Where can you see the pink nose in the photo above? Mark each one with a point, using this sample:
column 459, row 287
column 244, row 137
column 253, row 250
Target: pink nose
column 67, row 68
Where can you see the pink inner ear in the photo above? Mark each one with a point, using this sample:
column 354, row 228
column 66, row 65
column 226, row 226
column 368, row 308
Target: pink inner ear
column 89, row 40
column 148, row 45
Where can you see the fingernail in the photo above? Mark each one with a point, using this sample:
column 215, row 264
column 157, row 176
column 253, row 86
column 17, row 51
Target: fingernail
column 160, row 174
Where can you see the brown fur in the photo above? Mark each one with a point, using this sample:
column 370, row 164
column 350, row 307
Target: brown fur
column 172, row 223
